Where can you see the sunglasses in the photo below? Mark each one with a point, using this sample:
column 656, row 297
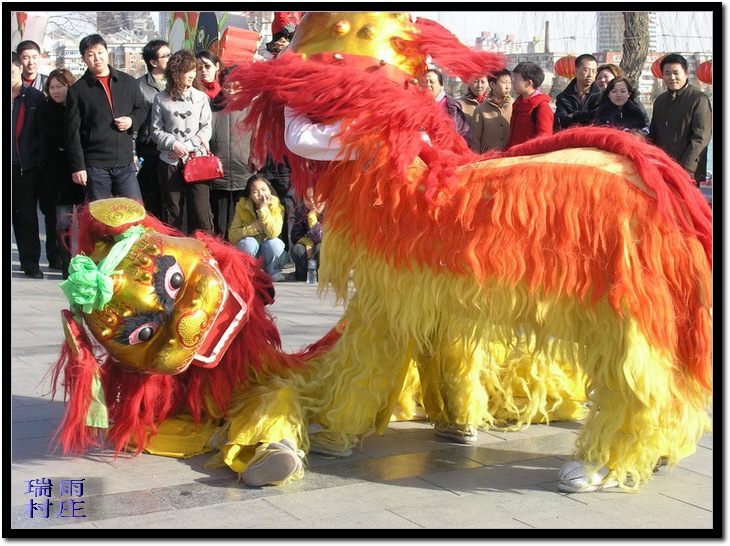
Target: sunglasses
column 165, row 56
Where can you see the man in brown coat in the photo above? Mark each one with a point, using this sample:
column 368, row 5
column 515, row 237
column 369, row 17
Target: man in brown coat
column 681, row 122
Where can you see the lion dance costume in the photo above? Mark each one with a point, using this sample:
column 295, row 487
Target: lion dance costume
column 513, row 282
column 169, row 345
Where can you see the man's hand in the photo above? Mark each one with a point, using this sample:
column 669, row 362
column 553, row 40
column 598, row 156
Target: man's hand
column 79, row 177
column 123, row 123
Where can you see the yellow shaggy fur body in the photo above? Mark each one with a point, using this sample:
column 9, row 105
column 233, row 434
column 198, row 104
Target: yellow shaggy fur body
column 569, row 273
column 497, row 348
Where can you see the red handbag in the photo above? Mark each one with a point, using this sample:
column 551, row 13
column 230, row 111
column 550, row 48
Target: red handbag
column 200, row 167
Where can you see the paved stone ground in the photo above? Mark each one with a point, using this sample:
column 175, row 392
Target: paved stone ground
column 405, row 480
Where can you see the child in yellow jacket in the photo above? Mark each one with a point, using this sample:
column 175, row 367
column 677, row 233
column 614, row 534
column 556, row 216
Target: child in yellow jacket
column 257, row 224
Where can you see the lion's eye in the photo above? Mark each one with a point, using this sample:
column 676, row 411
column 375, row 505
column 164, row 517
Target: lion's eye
column 174, row 279
column 143, row 333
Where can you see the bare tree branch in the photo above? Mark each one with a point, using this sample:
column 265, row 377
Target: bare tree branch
column 73, row 22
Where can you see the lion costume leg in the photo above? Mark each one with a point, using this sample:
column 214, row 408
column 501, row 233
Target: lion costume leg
column 453, row 395
column 495, row 385
column 356, row 386
column 642, row 411
column 262, row 439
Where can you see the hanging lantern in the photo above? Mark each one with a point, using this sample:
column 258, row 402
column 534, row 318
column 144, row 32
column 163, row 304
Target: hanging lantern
column 704, row 72
column 565, row 67
column 656, row 69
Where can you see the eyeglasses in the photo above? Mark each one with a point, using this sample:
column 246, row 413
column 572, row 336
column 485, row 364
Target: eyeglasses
column 165, row 56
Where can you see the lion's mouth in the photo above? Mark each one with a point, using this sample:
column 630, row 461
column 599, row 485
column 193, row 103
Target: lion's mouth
column 228, row 323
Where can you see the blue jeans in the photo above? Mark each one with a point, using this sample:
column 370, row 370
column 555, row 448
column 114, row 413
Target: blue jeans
column 105, row 182
column 271, row 252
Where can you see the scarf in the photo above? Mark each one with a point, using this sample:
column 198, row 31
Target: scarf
column 479, row 99
column 211, row 89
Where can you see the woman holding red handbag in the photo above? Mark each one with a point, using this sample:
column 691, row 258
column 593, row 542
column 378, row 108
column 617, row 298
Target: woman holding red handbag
column 181, row 127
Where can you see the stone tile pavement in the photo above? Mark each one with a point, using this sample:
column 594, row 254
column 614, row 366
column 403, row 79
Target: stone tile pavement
column 405, row 480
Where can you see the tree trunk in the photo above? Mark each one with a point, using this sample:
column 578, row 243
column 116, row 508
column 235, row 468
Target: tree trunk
column 636, row 44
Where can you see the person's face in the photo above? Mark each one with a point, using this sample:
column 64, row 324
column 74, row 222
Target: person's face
column 30, row 60
column 586, row 73
column 479, row 86
column 279, row 45
column 57, row 90
column 521, row 85
column 432, row 83
column 674, row 76
column 258, row 191
column 189, row 77
column 231, row 88
column 208, row 70
column 604, row 76
column 96, row 58
column 15, row 75
column 619, row 95
column 502, row 87
column 160, row 62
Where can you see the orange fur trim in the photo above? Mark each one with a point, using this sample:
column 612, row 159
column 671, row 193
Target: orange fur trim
column 565, row 230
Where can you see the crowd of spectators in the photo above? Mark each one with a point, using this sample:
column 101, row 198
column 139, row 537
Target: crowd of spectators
column 107, row 134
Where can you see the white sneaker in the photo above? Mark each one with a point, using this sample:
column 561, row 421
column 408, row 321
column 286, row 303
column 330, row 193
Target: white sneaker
column 577, row 477
column 272, row 464
column 278, row 277
column 462, row 434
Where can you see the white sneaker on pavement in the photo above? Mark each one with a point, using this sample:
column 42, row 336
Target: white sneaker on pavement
column 577, row 477
column 272, row 464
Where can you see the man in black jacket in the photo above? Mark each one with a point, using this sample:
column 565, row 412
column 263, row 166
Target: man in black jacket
column 26, row 190
column 103, row 109
column 30, row 57
column 572, row 104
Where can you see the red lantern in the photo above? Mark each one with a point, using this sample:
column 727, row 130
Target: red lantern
column 565, row 67
column 656, row 69
column 704, row 72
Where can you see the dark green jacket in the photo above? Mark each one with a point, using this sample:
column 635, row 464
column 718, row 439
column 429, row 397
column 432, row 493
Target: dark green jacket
column 682, row 127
